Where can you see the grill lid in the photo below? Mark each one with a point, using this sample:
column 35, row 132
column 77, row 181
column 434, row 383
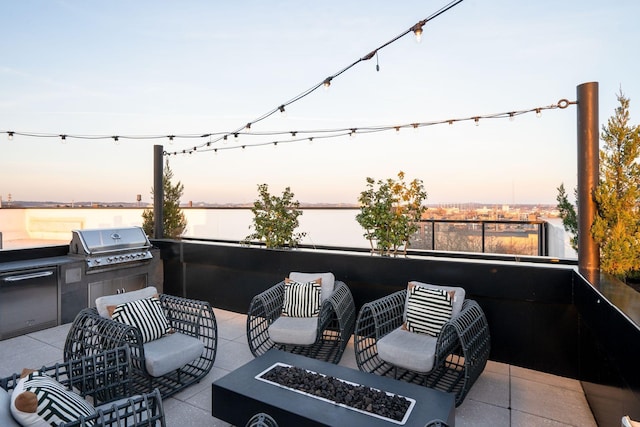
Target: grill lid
column 110, row 247
column 101, row 240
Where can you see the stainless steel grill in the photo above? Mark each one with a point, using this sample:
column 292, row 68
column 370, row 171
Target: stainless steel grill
column 105, row 248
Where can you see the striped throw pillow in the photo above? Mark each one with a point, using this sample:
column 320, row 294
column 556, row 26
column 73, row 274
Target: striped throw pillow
column 428, row 309
column 145, row 314
column 39, row 400
column 302, row 299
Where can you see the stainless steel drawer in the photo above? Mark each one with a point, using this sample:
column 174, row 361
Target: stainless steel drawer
column 28, row 301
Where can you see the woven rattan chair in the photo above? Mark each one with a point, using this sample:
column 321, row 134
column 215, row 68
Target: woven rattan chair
column 461, row 351
column 334, row 325
column 105, row 378
column 91, row 333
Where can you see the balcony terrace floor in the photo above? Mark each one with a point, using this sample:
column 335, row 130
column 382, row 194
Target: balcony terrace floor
column 504, row 395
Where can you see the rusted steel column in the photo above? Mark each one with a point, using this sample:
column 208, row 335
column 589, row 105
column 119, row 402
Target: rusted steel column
column 588, row 172
column 158, row 192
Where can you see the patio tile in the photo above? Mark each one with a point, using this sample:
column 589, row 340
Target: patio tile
column 549, row 401
column 204, row 384
column 25, row 352
column 180, row 414
column 492, row 388
column 478, row 414
column 231, row 355
column 497, row 367
column 545, row 378
column 522, row 419
column 223, row 315
column 232, row 328
column 53, row 336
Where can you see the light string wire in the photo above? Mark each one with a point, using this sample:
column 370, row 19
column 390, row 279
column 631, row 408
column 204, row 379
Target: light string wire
column 323, row 134
column 218, row 136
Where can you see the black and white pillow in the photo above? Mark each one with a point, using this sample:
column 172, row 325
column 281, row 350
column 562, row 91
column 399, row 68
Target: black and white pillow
column 302, row 299
column 39, row 400
column 145, row 314
column 428, row 309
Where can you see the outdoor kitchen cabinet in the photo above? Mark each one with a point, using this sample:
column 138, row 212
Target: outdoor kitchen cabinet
column 28, row 300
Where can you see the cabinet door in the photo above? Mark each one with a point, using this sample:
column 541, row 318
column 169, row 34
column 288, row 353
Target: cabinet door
column 116, row 286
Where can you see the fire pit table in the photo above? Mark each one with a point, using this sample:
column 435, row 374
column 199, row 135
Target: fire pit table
column 244, row 392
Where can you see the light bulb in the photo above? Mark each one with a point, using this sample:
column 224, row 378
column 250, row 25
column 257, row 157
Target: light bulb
column 397, row 130
column 327, row 82
column 10, row 136
column 512, row 116
column 63, row 138
column 224, row 139
column 352, row 133
column 477, row 120
column 538, row 112
column 283, row 112
column 415, row 127
column 417, row 30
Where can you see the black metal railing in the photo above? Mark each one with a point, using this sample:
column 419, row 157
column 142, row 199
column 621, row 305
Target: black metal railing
column 485, row 236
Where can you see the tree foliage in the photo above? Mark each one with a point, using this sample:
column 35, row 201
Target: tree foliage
column 616, row 227
column 173, row 222
column 276, row 218
column 389, row 212
column 568, row 215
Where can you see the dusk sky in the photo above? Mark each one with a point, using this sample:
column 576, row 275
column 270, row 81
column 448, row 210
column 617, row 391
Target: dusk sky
column 134, row 68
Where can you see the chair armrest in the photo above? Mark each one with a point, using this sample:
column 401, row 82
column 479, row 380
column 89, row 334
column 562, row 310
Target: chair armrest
column 91, row 333
column 470, row 330
column 137, row 411
column 188, row 316
column 105, row 376
column 381, row 316
column 268, row 304
column 341, row 303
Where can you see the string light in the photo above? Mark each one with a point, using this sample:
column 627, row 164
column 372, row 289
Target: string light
column 326, row 83
column 309, row 135
column 283, row 112
column 477, row 120
column 538, row 112
column 512, row 116
column 417, row 30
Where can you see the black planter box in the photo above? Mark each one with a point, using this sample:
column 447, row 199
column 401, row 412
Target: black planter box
column 238, row 396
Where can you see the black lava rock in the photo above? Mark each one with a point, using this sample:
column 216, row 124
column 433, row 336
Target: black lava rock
column 330, row 388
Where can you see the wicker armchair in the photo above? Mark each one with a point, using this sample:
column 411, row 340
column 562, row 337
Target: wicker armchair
column 333, row 328
column 91, row 333
column 461, row 350
column 105, row 378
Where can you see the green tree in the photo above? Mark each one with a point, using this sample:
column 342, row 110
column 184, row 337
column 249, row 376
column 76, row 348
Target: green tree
column 173, row 222
column 390, row 212
column 568, row 215
column 275, row 218
column 616, row 227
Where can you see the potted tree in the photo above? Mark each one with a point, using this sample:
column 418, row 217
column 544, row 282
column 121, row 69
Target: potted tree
column 389, row 212
column 275, row 219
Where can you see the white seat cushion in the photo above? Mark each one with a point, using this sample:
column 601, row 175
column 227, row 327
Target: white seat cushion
column 294, row 330
column 408, row 350
column 171, row 352
column 328, row 281
column 103, row 302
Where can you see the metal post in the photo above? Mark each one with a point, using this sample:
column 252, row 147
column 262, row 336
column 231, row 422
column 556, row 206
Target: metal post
column 588, row 173
column 158, row 192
